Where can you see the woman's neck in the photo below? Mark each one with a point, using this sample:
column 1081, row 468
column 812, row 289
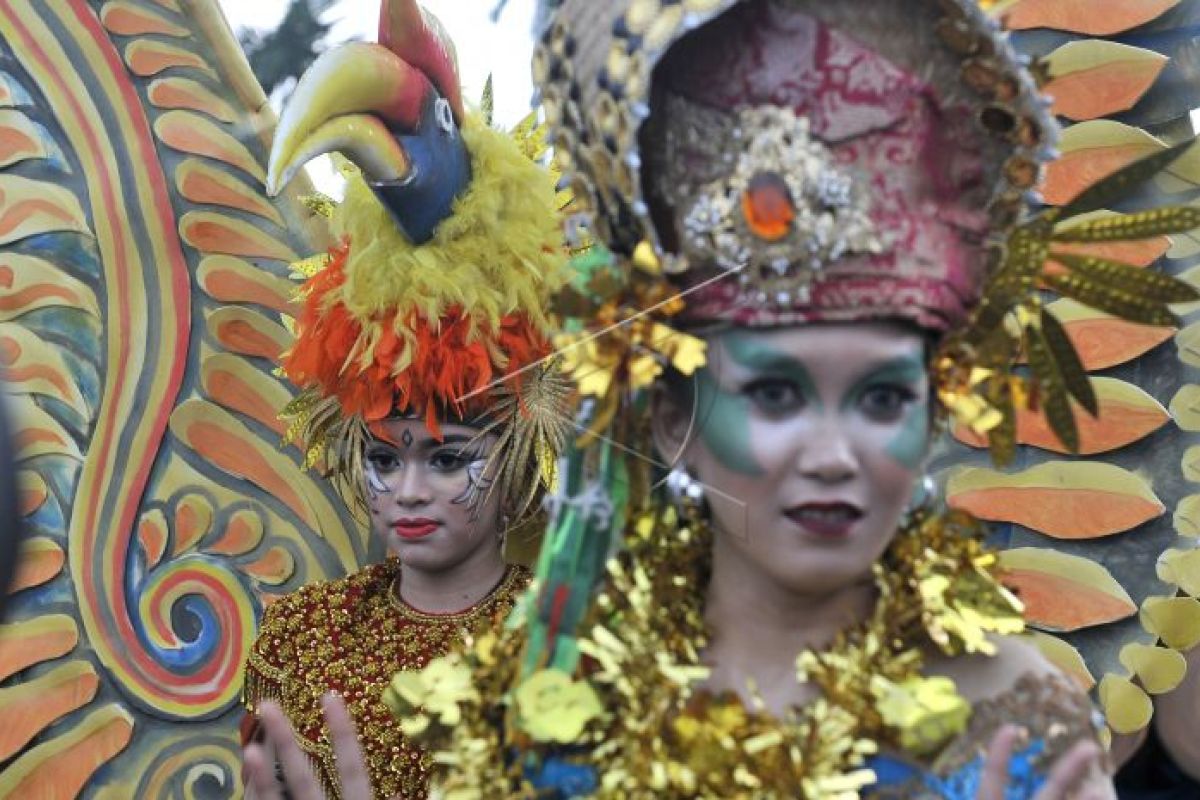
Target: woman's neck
column 455, row 589
column 758, row 628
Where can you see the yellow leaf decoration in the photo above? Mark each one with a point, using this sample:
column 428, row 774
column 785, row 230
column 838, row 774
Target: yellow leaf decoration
column 926, row 711
column 1182, row 568
column 432, row 695
column 1185, row 407
column 1065, row 657
column 1175, row 620
column 1187, row 510
column 1187, row 341
column 1158, row 669
column 1126, row 707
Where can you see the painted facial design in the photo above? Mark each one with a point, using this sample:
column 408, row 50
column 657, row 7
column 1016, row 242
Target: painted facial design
column 781, row 385
column 727, row 413
column 807, row 429
column 478, row 484
column 430, row 500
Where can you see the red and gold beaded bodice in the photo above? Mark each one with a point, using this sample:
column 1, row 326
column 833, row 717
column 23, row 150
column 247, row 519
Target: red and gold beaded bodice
column 351, row 636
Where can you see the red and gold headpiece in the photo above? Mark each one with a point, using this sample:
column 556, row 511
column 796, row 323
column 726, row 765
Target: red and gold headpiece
column 773, row 162
column 449, row 244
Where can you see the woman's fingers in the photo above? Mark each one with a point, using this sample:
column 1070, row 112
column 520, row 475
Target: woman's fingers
column 352, row 767
column 995, row 766
column 1069, row 771
column 297, row 774
column 259, row 774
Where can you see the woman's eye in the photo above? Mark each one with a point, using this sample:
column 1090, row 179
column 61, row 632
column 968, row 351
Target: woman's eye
column 383, row 461
column 886, row 403
column 450, row 460
column 775, row 396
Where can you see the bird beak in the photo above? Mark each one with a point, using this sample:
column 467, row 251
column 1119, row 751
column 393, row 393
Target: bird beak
column 349, row 100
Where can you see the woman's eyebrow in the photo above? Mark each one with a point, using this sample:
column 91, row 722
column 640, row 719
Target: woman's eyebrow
column 900, row 368
column 458, row 438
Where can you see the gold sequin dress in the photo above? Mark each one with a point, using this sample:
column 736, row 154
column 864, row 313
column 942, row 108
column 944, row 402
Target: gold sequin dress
column 350, row 636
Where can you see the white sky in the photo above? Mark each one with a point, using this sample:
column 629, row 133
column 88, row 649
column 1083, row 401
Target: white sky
column 503, row 49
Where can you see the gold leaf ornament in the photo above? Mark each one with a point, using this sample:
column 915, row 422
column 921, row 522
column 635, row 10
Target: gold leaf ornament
column 554, row 707
column 433, row 695
column 926, row 711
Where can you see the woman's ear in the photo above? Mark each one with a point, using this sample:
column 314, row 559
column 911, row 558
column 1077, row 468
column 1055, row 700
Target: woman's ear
column 670, row 423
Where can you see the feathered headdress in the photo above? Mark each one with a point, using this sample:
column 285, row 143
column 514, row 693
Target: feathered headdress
column 433, row 301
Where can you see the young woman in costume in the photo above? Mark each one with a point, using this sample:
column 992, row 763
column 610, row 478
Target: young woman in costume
column 828, row 204
column 420, row 351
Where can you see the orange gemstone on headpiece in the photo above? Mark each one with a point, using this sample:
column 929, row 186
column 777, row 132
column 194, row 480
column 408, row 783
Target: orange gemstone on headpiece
column 768, row 207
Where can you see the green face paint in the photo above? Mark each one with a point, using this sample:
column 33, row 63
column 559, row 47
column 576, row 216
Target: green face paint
column 909, row 444
column 752, row 352
column 726, row 421
column 725, row 424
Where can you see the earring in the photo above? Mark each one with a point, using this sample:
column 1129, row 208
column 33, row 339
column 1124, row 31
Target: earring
column 686, row 492
column 923, row 499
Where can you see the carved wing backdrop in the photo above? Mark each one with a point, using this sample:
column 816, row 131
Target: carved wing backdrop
column 1101, row 545
column 144, row 291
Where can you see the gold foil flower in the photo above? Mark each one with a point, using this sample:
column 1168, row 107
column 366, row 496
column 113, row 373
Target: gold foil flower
column 433, row 695
column 553, row 707
column 925, row 711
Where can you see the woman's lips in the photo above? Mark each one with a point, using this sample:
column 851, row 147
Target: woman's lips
column 417, row 528
column 826, row 520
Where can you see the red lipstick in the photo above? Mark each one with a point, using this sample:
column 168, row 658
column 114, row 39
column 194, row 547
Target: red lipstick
column 415, row 527
column 825, row 520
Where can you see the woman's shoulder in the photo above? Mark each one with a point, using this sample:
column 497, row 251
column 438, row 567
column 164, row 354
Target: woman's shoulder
column 1016, row 662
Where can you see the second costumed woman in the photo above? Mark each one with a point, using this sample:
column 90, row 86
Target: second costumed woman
column 419, row 353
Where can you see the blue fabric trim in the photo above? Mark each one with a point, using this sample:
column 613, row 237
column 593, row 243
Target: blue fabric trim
column 1024, row 780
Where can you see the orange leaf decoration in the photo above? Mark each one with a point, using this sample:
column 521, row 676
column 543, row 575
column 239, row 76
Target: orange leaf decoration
column 1092, row 151
column 1063, row 592
column 1063, row 499
column 1091, row 79
column 1090, row 17
column 1104, row 341
column 1127, row 415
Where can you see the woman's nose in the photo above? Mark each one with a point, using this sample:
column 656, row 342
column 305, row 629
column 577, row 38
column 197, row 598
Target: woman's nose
column 828, row 456
column 413, row 489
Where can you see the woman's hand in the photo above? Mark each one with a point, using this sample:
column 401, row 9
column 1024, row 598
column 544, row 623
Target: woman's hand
column 1077, row 775
column 279, row 747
